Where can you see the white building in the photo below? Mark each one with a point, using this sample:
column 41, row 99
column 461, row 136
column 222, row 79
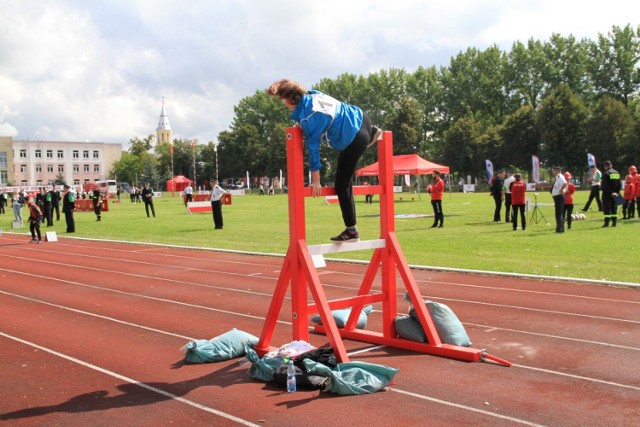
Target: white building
column 40, row 162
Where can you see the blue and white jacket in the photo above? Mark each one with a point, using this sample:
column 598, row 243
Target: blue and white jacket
column 322, row 117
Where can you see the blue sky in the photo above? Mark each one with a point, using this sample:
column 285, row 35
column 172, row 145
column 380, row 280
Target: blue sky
column 88, row 70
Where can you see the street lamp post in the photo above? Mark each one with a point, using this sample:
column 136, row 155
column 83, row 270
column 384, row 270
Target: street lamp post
column 215, row 148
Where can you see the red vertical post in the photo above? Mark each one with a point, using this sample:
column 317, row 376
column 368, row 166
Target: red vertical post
column 387, row 226
column 297, row 233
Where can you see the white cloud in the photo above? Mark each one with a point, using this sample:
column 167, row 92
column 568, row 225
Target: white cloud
column 79, row 70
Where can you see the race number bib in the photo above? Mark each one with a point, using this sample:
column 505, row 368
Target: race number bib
column 325, row 104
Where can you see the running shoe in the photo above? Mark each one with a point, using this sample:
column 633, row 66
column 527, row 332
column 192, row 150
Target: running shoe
column 375, row 135
column 346, row 236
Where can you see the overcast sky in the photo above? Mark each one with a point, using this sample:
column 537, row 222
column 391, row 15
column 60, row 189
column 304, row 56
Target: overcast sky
column 89, row 70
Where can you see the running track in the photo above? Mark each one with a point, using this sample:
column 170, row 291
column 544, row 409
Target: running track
column 91, row 333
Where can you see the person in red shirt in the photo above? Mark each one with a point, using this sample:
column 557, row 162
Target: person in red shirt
column 629, row 196
column 518, row 201
column 633, row 204
column 436, row 189
column 568, row 199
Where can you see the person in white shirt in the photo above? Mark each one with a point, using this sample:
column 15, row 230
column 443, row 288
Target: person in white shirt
column 506, row 192
column 216, row 203
column 557, row 191
column 188, row 194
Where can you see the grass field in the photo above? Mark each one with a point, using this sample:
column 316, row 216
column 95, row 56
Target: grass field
column 469, row 239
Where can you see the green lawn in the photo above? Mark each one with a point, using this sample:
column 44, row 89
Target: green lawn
column 469, row 239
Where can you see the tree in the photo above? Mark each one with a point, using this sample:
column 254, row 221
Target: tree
column 561, row 121
column 461, row 146
column 521, row 137
column 605, row 129
column 614, row 65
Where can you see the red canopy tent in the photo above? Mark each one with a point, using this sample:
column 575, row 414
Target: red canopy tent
column 406, row 164
column 178, row 183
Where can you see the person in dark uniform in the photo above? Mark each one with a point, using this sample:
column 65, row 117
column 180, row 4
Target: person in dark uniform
column 611, row 187
column 48, row 207
column 96, row 198
column 496, row 192
column 68, row 205
column 147, row 197
column 55, row 201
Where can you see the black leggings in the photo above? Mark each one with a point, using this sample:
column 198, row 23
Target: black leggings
column 346, row 169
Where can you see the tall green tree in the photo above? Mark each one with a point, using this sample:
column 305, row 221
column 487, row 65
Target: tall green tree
column 461, row 147
column 561, row 121
column 521, row 138
column 614, row 65
column 605, row 129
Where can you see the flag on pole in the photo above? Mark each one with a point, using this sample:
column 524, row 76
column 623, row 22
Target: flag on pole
column 407, row 180
column 489, row 170
column 247, row 179
column 535, row 168
column 591, row 159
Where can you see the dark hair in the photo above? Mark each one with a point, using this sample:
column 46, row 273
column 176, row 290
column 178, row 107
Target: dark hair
column 287, row 89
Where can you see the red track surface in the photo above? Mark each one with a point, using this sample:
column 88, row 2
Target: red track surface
column 91, row 333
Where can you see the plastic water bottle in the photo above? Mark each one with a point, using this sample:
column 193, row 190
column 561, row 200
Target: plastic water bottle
column 291, row 377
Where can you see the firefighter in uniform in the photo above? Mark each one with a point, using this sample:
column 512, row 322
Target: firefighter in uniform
column 96, row 197
column 610, row 190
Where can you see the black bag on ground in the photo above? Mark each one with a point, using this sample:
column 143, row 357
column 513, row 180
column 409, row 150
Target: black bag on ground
column 320, row 355
column 303, row 379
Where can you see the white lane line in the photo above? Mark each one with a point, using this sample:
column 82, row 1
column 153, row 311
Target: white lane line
column 464, row 407
column 282, row 322
column 133, row 381
column 577, row 377
column 137, row 295
column 559, row 337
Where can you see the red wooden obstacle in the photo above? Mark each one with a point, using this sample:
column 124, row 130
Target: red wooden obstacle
column 299, row 270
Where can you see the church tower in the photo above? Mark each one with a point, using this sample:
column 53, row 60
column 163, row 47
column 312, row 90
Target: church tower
column 164, row 133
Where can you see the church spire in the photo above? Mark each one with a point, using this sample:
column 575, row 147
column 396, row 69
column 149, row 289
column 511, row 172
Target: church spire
column 164, row 133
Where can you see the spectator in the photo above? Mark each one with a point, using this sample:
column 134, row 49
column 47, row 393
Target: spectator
column 68, row 206
column 496, row 193
column 595, row 177
column 557, row 191
column 506, row 186
column 216, row 203
column 147, row 197
column 518, row 201
column 568, row 199
column 436, row 189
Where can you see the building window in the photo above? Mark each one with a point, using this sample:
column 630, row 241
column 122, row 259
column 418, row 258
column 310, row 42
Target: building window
column 85, row 154
column 96, row 168
column 60, row 168
column 23, row 168
column 4, row 177
column 60, row 154
column 86, row 168
column 76, row 182
column 39, row 182
column 38, row 168
column 76, row 154
column 96, row 154
column 38, row 154
column 50, row 168
column 3, row 159
column 76, row 168
column 49, row 154
column 86, row 181
column 23, row 182
column 23, row 154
